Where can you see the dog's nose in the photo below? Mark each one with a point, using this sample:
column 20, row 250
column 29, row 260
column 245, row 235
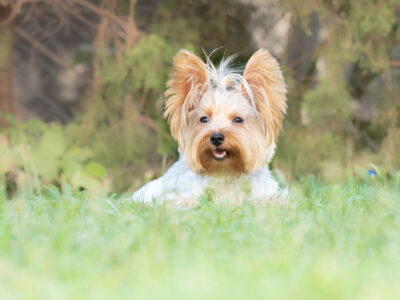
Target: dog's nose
column 217, row 139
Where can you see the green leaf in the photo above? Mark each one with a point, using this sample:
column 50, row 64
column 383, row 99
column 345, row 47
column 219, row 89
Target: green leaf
column 70, row 168
column 45, row 165
column 95, row 169
column 53, row 142
column 53, row 191
column 66, row 188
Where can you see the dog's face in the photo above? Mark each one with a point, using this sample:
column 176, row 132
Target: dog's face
column 225, row 123
column 224, row 135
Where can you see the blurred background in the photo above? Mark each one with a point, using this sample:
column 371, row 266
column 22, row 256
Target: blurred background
column 82, row 82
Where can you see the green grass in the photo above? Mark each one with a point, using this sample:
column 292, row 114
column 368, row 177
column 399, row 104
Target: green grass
column 338, row 241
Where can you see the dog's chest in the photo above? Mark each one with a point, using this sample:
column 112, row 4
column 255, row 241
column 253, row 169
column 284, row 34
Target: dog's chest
column 180, row 180
column 180, row 183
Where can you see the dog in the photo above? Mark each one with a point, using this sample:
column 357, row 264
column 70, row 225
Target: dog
column 226, row 123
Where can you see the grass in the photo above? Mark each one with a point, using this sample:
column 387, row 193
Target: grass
column 339, row 241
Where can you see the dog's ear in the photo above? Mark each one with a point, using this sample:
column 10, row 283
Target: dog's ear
column 185, row 87
column 265, row 79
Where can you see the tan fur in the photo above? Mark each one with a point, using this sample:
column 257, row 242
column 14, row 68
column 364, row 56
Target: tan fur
column 265, row 78
column 245, row 142
column 191, row 96
column 188, row 77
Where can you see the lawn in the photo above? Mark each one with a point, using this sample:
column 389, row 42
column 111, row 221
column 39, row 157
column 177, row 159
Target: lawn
column 337, row 241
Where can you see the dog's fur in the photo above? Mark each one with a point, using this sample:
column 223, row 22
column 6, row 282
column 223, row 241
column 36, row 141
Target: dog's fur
column 246, row 109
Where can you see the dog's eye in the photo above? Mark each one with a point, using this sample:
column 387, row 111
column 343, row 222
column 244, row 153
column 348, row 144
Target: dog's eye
column 203, row 119
column 238, row 120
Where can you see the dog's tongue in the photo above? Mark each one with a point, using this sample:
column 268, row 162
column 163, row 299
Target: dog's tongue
column 219, row 154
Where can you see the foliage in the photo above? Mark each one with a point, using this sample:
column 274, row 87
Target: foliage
column 352, row 54
column 125, row 107
column 203, row 25
column 63, row 236
column 123, row 124
column 312, row 152
column 352, row 68
column 35, row 157
column 350, row 71
column 339, row 241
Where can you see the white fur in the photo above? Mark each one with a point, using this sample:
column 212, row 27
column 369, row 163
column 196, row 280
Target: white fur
column 179, row 184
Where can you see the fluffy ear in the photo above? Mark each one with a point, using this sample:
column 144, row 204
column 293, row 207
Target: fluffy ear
column 185, row 86
column 268, row 87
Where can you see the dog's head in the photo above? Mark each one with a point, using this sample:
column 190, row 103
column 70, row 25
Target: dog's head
column 225, row 123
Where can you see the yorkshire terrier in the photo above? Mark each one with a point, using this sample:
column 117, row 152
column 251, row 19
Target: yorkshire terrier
column 226, row 125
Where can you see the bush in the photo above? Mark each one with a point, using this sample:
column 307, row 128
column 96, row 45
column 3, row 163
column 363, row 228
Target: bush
column 35, row 156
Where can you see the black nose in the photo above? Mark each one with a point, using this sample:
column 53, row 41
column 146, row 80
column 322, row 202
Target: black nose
column 217, row 139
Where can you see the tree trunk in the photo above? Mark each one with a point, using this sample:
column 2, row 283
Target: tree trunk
column 6, row 74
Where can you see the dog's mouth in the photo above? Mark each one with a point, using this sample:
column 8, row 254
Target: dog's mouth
column 220, row 154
